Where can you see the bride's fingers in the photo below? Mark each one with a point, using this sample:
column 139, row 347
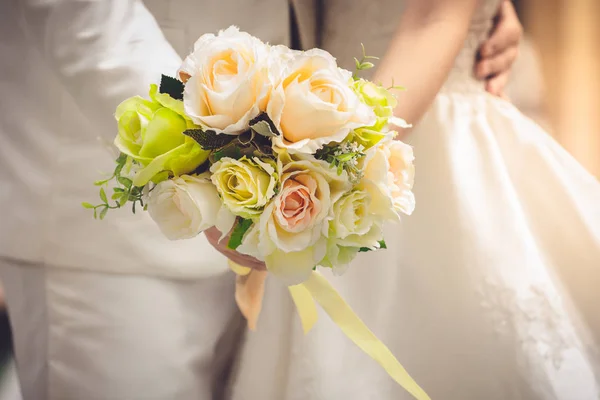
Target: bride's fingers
column 497, row 65
column 496, row 84
column 507, row 32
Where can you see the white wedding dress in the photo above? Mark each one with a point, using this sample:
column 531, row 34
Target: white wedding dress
column 489, row 291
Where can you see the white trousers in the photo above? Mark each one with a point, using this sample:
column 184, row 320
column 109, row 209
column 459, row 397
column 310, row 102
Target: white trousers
column 93, row 336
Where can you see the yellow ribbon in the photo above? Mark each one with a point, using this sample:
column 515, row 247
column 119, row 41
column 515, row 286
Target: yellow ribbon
column 305, row 304
column 317, row 288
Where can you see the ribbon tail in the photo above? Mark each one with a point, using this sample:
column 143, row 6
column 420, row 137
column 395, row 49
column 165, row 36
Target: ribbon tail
column 341, row 313
column 305, row 304
column 238, row 269
column 249, row 292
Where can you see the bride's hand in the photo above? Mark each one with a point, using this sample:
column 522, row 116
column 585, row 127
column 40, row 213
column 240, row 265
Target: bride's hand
column 499, row 52
column 213, row 236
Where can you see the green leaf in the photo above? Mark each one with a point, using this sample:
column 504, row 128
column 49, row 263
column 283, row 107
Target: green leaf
column 103, row 195
column 232, row 150
column 241, row 227
column 246, row 138
column 172, row 87
column 95, row 214
column 118, row 190
column 102, row 182
column 257, row 124
column 382, row 245
column 366, row 65
column 263, row 128
column 346, row 157
column 123, row 199
column 103, row 213
column 116, row 195
column 209, row 140
column 87, row 205
column 125, row 181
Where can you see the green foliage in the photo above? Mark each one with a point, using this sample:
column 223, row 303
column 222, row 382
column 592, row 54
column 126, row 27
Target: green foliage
column 209, row 140
column 345, row 156
column 381, row 243
column 363, row 64
column 395, row 87
column 248, row 144
column 239, row 230
column 171, row 86
column 122, row 193
column 263, row 125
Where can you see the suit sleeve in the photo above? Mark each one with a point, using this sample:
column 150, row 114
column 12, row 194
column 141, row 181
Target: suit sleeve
column 102, row 51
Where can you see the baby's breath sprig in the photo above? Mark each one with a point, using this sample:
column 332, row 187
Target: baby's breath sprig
column 123, row 192
column 363, row 64
column 345, row 156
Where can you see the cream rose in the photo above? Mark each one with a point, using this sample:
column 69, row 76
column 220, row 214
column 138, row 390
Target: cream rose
column 184, row 206
column 390, row 167
column 227, row 80
column 356, row 222
column 291, row 233
column 401, row 175
column 245, row 185
column 314, row 104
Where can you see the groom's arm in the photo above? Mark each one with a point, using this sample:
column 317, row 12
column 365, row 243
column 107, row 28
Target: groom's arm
column 498, row 54
column 102, row 51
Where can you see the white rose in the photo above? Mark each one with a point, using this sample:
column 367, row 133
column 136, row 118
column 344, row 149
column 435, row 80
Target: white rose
column 184, row 206
column 356, row 222
column 338, row 258
column 227, row 80
column 313, row 104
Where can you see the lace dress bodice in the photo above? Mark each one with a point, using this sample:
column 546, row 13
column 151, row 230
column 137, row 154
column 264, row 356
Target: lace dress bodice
column 461, row 76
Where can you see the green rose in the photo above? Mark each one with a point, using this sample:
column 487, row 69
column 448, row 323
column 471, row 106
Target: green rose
column 245, row 185
column 383, row 103
column 377, row 97
column 151, row 133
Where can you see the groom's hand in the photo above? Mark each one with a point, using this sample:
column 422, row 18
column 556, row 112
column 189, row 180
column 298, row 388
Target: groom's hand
column 497, row 55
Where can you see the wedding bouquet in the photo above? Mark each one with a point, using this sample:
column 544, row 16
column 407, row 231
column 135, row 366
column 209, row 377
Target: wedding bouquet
column 282, row 150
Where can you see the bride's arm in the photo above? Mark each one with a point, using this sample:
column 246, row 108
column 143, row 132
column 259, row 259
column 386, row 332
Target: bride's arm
column 429, row 36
